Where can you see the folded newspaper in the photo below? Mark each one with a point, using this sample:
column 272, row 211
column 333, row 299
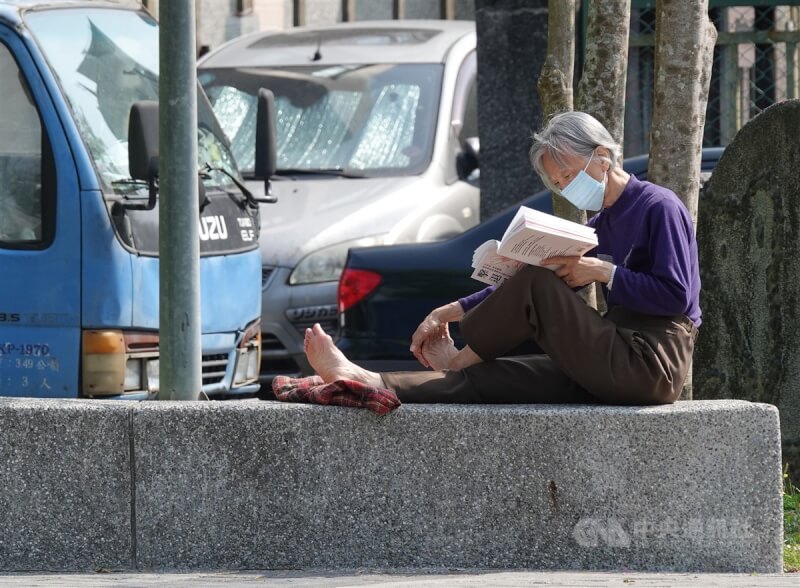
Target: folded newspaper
column 530, row 237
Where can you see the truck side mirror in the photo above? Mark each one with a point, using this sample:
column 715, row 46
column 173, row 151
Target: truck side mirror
column 143, row 157
column 143, row 149
column 143, row 140
column 266, row 151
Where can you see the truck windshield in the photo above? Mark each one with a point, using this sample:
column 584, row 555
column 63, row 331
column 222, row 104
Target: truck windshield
column 105, row 60
column 375, row 119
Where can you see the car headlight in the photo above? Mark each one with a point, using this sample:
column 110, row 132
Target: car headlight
column 325, row 265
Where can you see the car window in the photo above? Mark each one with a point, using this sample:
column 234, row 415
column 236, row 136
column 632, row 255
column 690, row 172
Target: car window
column 388, row 137
column 470, row 124
column 21, row 202
column 465, row 101
column 377, row 118
column 105, row 61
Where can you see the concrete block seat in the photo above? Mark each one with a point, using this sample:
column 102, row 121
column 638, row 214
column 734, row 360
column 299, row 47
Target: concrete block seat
column 695, row 486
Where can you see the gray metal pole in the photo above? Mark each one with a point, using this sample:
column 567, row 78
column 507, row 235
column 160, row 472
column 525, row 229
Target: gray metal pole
column 179, row 243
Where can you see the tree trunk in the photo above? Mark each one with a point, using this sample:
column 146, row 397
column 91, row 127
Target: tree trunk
column 601, row 91
column 555, row 93
column 685, row 41
column 555, row 80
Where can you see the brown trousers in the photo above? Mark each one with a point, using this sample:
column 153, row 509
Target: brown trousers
column 622, row 358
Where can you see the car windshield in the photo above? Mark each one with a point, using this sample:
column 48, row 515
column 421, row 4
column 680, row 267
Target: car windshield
column 370, row 119
column 106, row 60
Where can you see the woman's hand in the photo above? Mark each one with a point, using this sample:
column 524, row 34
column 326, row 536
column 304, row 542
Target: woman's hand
column 578, row 271
column 434, row 327
column 438, row 351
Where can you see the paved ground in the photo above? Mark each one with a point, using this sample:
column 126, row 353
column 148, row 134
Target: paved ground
column 320, row 579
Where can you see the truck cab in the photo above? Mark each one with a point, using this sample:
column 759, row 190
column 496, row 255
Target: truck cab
column 79, row 303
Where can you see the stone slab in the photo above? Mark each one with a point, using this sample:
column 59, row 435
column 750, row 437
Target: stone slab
column 65, row 486
column 747, row 235
column 694, row 487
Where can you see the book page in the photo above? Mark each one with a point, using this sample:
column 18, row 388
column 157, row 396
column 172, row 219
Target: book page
column 492, row 268
column 532, row 247
column 533, row 236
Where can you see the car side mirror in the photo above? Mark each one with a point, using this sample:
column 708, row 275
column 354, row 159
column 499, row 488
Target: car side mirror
column 266, row 150
column 469, row 158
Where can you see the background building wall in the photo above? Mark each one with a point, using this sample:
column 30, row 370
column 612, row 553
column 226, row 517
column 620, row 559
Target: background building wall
column 287, row 13
column 212, row 20
column 322, row 12
column 273, row 14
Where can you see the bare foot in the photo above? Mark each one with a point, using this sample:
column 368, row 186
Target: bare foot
column 464, row 358
column 331, row 364
column 438, row 352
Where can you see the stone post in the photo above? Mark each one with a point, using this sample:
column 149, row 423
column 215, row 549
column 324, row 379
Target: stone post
column 512, row 46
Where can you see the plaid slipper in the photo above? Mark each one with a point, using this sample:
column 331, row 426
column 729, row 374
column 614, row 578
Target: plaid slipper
column 341, row 392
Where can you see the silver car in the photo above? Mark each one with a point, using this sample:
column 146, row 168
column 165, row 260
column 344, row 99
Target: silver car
column 377, row 144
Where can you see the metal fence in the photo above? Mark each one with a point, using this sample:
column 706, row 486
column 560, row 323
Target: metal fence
column 755, row 66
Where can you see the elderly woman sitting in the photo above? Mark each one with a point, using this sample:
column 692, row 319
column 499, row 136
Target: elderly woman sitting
column 646, row 260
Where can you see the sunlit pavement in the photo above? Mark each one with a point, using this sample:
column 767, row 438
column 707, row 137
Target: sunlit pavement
column 414, row 579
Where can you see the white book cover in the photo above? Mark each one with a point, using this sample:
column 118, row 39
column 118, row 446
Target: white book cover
column 531, row 237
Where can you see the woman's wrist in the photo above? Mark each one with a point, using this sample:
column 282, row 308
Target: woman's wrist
column 448, row 313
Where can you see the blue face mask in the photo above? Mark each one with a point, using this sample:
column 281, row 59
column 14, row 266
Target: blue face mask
column 584, row 192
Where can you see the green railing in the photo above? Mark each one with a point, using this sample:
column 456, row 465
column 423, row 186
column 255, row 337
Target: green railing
column 755, row 65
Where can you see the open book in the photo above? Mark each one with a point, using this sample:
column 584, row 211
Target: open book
column 530, row 237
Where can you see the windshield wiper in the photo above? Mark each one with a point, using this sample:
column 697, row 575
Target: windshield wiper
column 128, row 182
column 333, row 171
column 248, row 195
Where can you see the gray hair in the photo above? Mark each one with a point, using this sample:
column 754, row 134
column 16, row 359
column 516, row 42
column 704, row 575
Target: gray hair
column 571, row 134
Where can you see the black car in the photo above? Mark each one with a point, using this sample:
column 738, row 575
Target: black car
column 385, row 292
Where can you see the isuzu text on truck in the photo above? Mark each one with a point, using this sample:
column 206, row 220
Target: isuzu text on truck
column 79, row 266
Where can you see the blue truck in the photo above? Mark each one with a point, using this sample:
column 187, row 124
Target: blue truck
column 79, row 266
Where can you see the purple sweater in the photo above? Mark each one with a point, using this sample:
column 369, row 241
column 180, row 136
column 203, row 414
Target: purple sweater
column 648, row 235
